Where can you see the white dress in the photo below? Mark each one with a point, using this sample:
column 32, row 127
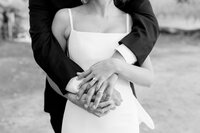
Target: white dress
column 87, row 48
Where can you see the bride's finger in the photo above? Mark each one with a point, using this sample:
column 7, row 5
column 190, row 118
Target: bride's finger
column 92, row 82
column 87, row 79
column 99, row 84
column 84, row 74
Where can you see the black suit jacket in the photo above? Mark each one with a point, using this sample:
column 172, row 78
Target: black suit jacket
column 51, row 58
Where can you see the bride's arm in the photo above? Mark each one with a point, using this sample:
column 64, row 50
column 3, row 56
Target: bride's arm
column 143, row 75
column 61, row 31
column 61, row 27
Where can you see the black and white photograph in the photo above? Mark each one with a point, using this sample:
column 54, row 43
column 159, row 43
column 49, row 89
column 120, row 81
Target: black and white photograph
column 99, row 66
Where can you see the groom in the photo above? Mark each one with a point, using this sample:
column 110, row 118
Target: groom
column 50, row 57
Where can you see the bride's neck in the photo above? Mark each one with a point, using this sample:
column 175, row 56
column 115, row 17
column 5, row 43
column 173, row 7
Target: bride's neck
column 102, row 7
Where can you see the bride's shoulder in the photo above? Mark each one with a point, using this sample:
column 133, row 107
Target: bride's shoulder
column 62, row 17
column 62, row 14
column 61, row 22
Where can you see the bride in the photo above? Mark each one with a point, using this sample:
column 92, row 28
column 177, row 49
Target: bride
column 90, row 34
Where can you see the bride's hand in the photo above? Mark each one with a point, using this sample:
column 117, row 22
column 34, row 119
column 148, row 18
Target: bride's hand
column 100, row 72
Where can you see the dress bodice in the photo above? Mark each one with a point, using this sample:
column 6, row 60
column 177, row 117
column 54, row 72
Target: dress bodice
column 92, row 47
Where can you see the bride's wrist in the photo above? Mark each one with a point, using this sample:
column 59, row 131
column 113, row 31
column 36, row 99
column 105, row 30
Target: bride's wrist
column 116, row 65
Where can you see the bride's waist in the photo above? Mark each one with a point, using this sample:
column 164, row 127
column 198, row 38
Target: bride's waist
column 123, row 86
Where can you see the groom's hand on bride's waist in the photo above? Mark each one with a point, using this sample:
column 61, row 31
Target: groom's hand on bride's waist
column 80, row 103
column 105, row 105
column 103, row 109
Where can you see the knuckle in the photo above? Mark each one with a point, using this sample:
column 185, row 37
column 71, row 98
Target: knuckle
column 89, row 86
column 99, row 85
column 89, row 93
column 106, row 83
column 93, row 74
column 87, row 100
column 101, row 79
column 108, row 97
column 84, row 85
column 98, row 98
column 108, row 94
column 99, row 93
column 84, row 80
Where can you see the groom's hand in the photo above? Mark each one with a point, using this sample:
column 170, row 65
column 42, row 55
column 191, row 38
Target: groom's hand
column 73, row 98
column 106, row 89
column 105, row 106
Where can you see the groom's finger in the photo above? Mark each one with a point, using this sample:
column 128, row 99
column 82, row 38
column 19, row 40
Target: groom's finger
column 83, row 98
column 108, row 108
column 84, row 74
column 104, row 104
column 99, row 83
column 110, row 88
column 99, row 95
column 82, row 90
column 99, row 114
column 89, row 96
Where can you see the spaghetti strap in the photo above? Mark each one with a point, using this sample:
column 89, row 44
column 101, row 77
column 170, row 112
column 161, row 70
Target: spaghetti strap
column 71, row 19
column 127, row 23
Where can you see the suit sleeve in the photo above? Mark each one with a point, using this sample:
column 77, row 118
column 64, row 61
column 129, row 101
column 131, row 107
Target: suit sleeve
column 145, row 29
column 46, row 49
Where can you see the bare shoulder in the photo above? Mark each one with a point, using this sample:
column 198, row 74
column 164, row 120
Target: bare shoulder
column 61, row 23
column 62, row 16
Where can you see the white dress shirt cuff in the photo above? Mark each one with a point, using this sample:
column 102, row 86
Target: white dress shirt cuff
column 127, row 54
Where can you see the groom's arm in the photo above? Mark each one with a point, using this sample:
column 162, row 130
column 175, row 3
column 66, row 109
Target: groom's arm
column 145, row 29
column 47, row 52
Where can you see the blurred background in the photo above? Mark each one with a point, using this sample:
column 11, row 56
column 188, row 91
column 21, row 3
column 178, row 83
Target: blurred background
column 173, row 101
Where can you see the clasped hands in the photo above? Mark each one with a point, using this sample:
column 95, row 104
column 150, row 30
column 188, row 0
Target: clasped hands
column 96, row 91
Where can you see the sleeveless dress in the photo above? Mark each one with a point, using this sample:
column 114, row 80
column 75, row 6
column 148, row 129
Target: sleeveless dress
column 86, row 49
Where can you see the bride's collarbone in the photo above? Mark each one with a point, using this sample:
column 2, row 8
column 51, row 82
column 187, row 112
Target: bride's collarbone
column 94, row 25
